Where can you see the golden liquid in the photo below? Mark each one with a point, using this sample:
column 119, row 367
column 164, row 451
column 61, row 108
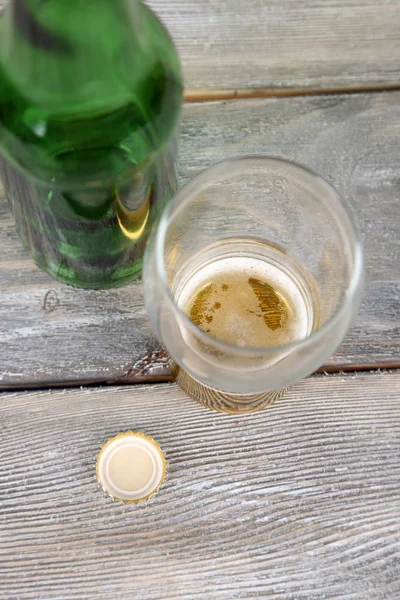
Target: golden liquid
column 245, row 309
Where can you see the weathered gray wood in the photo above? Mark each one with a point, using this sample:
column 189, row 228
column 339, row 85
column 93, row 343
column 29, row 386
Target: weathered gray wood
column 296, row 43
column 298, row 502
column 51, row 333
column 260, row 44
column 267, row 44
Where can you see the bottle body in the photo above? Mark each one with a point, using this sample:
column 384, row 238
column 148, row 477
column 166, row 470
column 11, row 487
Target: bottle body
column 88, row 163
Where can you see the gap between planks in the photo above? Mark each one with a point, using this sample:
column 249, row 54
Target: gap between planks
column 210, row 95
column 168, row 378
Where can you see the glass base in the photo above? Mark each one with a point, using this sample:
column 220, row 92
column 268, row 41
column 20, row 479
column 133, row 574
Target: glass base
column 222, row 401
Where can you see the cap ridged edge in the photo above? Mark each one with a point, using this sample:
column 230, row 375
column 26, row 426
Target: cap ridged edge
column 155, row 445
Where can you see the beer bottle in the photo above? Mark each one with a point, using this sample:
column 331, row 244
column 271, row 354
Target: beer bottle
column 90, row 101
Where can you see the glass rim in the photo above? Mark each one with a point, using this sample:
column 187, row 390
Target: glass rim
column 183, row 197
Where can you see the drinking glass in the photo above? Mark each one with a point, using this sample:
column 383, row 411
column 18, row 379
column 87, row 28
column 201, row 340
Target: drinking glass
column 287, row 233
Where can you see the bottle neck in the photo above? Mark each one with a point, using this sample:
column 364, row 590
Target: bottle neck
column 110, row 81
column 66, row 55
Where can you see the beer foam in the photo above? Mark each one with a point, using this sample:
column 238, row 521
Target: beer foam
column 247, row 302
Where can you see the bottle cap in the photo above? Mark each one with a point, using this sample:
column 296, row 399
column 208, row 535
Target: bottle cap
column 131, row 467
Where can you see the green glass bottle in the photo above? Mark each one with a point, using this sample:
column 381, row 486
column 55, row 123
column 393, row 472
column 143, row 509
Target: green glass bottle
column 90, row 102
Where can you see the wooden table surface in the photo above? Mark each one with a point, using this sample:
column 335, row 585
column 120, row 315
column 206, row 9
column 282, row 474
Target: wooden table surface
column 300, row 501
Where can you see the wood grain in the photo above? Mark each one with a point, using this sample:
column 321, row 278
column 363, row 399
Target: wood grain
column 298, row 502
column 51, row 333
column 261, row 44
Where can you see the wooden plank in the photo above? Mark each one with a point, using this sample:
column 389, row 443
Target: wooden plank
column 51, row 333
column 297, row 502
column 257, row 44
column 234, row 46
